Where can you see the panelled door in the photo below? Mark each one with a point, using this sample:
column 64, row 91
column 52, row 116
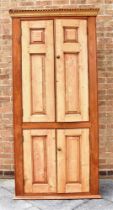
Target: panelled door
column 39, row 160
column 73, row 160
column 55, row 89
column 71, row 70
column 38, row 71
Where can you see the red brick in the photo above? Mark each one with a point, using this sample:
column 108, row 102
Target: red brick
column 4, row 76
column 24, row 3
column 60, row 2
column 44, row 3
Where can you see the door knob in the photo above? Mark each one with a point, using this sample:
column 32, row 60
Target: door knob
column 58, row 56
column 59, row 149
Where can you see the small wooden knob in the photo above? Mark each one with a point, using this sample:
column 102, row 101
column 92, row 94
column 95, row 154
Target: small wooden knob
column 58, row 56
column 59, row 149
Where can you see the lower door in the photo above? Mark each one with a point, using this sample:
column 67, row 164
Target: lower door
column 39, row 161
column 64, row 160
column 73, row 160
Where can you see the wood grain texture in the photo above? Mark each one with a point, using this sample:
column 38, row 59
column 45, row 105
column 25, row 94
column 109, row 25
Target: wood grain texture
column 52, row 18
column 73, row 159
column 73, row 176
column 40, row 167
column 72, row 102
column 72, row 72
column 38, row 89
column 38, row 73
column 39, row 159
column 56, row 125
column 94, row 136
column 59, row 196
column 37, row 36
column 70, row 34
column 17, row 106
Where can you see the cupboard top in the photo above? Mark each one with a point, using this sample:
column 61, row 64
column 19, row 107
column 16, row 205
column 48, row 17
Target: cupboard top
column 54, row 12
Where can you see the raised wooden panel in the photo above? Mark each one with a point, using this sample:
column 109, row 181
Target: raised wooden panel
column 39, row 157
column 37, row 36
column 70, row 34
column 73, row 160
column 72, row 70
column 39, row 161
column 38, row 90
column 72, row 103
column 38, row 71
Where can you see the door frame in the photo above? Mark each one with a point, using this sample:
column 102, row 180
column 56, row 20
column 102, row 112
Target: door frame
column 92, row 124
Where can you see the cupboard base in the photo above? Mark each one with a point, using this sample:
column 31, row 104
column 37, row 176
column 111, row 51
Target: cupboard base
column 57, row 197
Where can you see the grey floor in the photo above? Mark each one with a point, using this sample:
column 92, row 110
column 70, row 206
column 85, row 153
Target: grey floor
column 7, row 202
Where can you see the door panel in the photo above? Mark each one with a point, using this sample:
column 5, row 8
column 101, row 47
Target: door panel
column 39, row 152
column 73, row 160
column 71, row 70
column 38, row 71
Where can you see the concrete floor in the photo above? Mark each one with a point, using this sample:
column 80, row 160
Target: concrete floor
column 7, row 202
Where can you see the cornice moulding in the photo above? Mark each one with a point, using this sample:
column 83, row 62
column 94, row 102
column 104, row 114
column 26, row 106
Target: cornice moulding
column 54, row 12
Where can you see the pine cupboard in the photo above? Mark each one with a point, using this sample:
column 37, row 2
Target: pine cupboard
column 55, row 103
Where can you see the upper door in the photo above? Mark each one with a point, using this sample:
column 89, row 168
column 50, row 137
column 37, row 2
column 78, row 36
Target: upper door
column 38, row 71
column 71, row 63
column 71, row 70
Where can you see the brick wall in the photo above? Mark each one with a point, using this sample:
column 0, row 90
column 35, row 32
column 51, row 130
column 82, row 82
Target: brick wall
column 105, row 76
